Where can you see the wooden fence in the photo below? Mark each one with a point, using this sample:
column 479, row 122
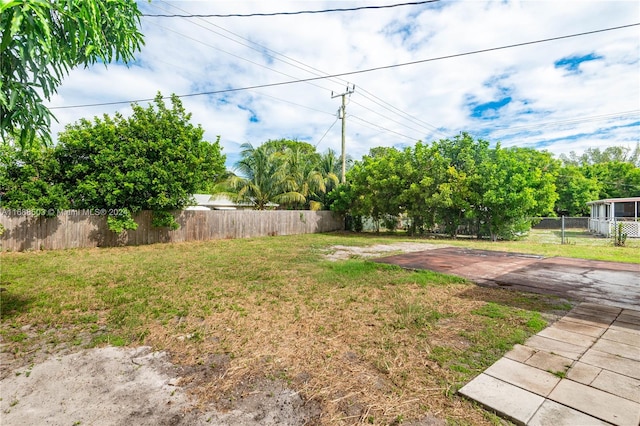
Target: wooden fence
column 75, row 229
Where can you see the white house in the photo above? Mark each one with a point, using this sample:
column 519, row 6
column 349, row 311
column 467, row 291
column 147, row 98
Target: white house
column 607, row 214
column 220, row 202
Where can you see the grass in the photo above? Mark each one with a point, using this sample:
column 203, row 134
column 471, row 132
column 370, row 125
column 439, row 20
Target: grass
column 581, row 244
column 397, row 343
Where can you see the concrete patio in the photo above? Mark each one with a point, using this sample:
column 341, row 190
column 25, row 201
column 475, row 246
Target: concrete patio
column 608, row 283
column 582, row 370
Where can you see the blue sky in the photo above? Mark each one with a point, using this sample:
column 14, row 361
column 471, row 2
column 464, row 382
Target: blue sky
column 564, row 95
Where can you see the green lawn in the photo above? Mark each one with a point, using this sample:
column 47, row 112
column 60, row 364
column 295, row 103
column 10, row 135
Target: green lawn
column 353, row 335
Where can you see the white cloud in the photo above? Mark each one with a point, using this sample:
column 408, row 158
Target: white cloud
column 193, row 55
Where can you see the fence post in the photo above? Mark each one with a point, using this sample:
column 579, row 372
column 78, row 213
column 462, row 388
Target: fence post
column 563, row 240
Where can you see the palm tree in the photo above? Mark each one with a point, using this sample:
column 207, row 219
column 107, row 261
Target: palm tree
column 302, row 175
column 263, row 178
column 329, row 168
column 284, row 172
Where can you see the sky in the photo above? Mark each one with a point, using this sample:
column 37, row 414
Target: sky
column 411, row 69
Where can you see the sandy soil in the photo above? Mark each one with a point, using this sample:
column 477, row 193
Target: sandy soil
column 118, row 386
column 136, row 386
column 345, row 252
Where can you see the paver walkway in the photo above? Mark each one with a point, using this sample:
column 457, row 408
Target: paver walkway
column 582, row 370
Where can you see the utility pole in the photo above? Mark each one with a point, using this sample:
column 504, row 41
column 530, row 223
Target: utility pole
column 342, row 113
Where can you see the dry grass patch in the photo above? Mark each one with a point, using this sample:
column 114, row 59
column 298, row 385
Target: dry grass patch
column 368, row 343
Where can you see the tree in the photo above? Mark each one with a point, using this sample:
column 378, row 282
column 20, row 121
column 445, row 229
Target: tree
column 154, row 160
column 26, row 180
column 513, row 189
column 591, row 156
column 616, row 179
column 262, row 178
column 597, row 174
column 289, row 173
column 457, row 180
column 574, row 191
column 374, row 187
column 329, row 168
column 301, row 174
column 42, row 40
column 284, row 145
column 452, row 183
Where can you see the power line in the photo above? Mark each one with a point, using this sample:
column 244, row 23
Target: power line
column 295, row 104
column 430, row 127
column 263, row 50
column 242, row 58
column 300, row 12
column 390, row 119
column 571, row 121
column 238, row 42
column 438, row 58
column 325, row 133
column 234, row 55
column 306, row 68
column 384, row 128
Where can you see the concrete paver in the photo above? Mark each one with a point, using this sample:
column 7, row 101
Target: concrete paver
column 611, row 312
column 614, row 363
column 583, row 373
column 622, row 336
column 603, row 308
column 626, row 326
column 627, row 317
column 505, row 399
column 589, row 319
column 601, row 366
column 597, row 403
column 631, row 313
column 553, row 346
column 567, row 336
column 524, row 376
column 617, row 348
column 592, row 309
column 520, row 353
column 617, row 384
column 552, row 413
column 579, row 328
column 549, row 362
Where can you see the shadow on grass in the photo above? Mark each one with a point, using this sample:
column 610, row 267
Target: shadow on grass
column 12, row 305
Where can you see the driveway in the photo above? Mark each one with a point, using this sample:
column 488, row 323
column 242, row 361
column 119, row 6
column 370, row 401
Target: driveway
column 609, row 283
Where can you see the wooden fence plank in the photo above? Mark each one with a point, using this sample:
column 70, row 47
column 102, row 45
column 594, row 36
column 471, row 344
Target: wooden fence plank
column 77, row 229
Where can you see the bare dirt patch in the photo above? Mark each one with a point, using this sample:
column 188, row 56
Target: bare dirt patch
column 118, row 386
column 340, row 252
